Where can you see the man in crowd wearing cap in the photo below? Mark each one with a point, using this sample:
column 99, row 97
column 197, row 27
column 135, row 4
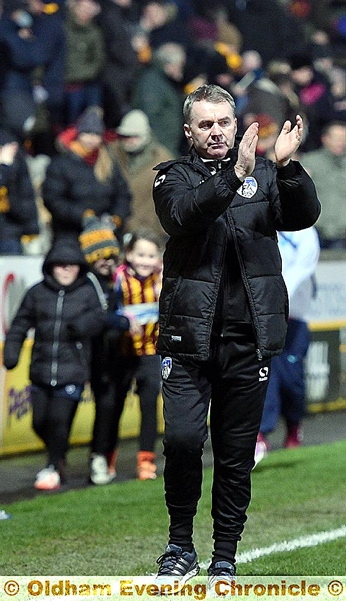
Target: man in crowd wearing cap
column 159, row 93
column 83, row 179
column 137, row 151
column 101, row 250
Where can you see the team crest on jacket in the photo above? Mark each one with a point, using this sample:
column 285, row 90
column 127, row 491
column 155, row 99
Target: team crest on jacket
column 248, row 188
column 166, row 367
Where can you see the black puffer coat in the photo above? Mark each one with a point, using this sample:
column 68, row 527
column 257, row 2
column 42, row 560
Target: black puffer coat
column 18, row 211
column 71, row 187
column 198, row 211
column 64, row 318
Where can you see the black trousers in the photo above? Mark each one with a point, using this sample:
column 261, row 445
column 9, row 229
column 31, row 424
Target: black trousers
column 52, row 418
column 233, row 384
column 109, row 405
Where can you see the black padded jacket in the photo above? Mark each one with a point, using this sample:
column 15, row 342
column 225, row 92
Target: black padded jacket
column 199, row 211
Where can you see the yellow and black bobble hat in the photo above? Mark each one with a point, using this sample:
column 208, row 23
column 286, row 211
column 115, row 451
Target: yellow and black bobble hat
column 98, row 241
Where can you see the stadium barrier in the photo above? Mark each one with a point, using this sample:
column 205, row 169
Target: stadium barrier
column 325, row 364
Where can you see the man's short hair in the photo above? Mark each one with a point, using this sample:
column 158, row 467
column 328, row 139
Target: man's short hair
column 209, row 92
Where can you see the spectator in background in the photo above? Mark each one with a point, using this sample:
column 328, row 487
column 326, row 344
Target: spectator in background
column 337, row 78
column 65, row 312
column 85, row 56
column 20, row 54
column 250, row 71
column 18, row 212
column 83, row 179
column 137, row 151
column 286, row 392
column 272, row 94
column 158, row 93
column 327, row 167
column 122, row 64
column 101, row 250
column 314, row 92
column 48, row 79
column 161, row 22
column 267, row 27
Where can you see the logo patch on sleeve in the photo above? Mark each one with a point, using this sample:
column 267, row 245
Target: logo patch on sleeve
column 159, row 180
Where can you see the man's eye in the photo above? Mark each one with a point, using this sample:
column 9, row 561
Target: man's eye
column 206, row 126
column 225, row 123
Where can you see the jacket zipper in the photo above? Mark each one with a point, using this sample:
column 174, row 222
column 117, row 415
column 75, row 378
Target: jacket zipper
column 57, row 327
column 245, row 282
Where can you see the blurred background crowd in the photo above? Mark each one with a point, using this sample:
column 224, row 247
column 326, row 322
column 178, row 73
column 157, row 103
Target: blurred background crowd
column 102, row 82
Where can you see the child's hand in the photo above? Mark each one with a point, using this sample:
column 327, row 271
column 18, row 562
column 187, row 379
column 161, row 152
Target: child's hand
column 135, row 326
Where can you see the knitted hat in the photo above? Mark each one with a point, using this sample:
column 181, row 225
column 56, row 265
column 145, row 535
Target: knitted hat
column 97, row 240
column 135, row 123
column 91, row 121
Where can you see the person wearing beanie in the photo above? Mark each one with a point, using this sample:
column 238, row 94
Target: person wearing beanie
column 84, row 179
column 137, row 150
column 101, row 251
column 91, row 122
column 65, row 312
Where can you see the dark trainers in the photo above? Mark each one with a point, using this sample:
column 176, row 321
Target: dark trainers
column 177, row 565
column 220, row 573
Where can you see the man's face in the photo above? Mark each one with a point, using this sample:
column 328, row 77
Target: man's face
column 212, row 129
column 335, row 140
column 105, row 267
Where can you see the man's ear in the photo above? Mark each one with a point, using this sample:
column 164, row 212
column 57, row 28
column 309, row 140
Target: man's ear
column 187, row 131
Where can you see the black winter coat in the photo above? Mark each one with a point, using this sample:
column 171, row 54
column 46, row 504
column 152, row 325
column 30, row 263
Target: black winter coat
column 71, row 187
column 64, row 317
column 198, row 211
column 18, row 211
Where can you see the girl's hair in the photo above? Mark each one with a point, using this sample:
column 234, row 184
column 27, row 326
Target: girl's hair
column 131, row 238
column 103, row 168
column 210, row 93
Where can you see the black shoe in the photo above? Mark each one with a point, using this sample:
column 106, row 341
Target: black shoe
column 177, row 565
column 220, row 572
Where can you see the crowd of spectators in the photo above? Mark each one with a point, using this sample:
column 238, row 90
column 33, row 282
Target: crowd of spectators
column 276, row 57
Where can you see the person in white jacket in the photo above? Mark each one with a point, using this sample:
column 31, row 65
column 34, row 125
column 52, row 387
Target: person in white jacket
column 286, row 395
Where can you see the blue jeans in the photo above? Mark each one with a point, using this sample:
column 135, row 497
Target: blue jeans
column 286, row 390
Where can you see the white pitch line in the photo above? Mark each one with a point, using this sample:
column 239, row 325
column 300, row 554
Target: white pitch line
column 311, row 540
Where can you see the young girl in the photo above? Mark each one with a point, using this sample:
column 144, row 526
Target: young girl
column 137, row 285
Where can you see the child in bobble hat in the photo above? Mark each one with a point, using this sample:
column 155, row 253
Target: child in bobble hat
column 101, row 251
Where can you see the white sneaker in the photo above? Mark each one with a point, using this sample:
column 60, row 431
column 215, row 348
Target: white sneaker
column 99, row 473
column 47, row 479
column 261, row 449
